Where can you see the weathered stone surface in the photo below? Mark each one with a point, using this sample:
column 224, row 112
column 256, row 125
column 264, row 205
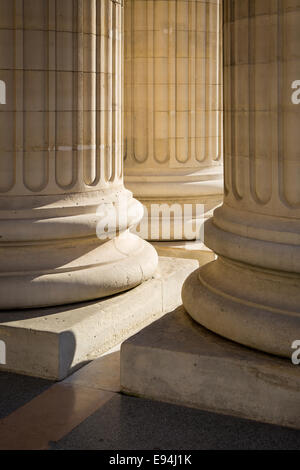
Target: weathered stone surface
column 188, row 250
column 176, row 360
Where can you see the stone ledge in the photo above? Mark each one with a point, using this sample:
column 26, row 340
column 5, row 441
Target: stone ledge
column 178, row 361
column 53, row 342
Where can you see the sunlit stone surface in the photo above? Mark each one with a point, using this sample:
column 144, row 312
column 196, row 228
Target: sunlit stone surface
column 173, row 111
column 61, row 172
column 251, row 294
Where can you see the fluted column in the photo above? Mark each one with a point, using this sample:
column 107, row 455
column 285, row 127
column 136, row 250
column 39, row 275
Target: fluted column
column 251, row 294
column 61, row 172
column 173, row 118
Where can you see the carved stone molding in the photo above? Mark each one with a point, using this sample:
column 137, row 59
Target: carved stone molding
column 251, row 293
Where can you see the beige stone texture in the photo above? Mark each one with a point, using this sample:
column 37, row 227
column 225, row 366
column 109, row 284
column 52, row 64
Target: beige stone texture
column 185, row 249
column 251, row 293
column 53, row 342
column 173, row 108
column 176, row 360
column 61, row 170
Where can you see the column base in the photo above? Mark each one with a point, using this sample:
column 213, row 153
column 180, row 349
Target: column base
column 52, row 342
column 176, row 202
column 77, row 271
column 175, row 360
column 56, row 250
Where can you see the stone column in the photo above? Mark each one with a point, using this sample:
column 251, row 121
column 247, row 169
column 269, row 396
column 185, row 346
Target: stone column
column 61, row 172
column 251, row 294
column 173, row 119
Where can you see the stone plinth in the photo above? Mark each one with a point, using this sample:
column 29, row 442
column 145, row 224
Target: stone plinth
column 189, row 250
column 176, row 360
column 53, row 342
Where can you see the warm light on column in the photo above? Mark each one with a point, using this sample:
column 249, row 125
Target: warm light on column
column 173, row 105
column 251, row 294
column 61, row 170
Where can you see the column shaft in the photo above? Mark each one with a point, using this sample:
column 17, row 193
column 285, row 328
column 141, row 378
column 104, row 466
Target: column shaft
column 173, row 96
column 251, row 294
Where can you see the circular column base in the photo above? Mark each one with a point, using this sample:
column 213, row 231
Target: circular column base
column 254, row 307
column 77, row 271
column 176, row 202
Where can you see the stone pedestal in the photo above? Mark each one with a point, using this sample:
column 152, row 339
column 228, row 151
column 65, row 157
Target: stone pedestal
column 178, row 361
column 185, row 249
column 53, row 342
column 173, row 113
column 64, row 212
column 251, row 293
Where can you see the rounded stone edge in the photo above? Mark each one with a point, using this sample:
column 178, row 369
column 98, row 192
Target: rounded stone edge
column 126, row 271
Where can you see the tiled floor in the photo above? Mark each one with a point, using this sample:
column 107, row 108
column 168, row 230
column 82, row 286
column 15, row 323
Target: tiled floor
column 87, row 411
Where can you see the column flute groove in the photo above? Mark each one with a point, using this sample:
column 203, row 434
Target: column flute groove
column 173, row 106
